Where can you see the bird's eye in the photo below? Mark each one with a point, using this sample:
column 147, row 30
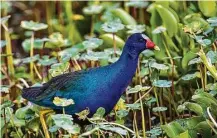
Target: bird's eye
column 141, row 40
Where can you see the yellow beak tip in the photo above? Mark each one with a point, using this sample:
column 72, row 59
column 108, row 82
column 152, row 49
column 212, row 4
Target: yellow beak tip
column 156, row 48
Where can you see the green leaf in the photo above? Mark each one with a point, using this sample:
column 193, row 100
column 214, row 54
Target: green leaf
column 5, row 19
column 159, row 30
column 162, row 83
column 108, row 41
column 183, row 135
column 24, row 112
column 194, row 107
column 135, row 29
column 100, row 112
column 212, row 55
column 212, row 21
column 38, row 44
column 59, row 68
column 122, row 113
column 190, row 76
column 2, row 43
column 31, row 59
column 46, row 61
column 113, row 26
column 208, row 8
column 92, row 43
column 137, row 4
column 158, row 66
column 173, row 129
column 34, row 124
column 195, row 61
column 114, row 129
column 31, row 25
column 135, row 106
column 93, row 9
column 56, row 40
column 159, row 109
column 6, row 104
column 137, row 88
column 4, row 89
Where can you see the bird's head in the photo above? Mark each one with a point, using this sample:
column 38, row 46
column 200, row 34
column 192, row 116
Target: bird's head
column 137, row 43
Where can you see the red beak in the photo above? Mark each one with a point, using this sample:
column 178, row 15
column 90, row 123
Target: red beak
column 149, row 44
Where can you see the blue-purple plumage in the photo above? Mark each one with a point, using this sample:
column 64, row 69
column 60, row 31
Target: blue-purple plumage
column 92, row 88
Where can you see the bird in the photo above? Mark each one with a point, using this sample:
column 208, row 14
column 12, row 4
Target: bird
column 95, row 87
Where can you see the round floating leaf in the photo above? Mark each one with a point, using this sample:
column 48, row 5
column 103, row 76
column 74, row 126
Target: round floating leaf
column 113, row 26
column 159, row 109
column 137, row 88
column 194, row 61
column 162, row 83
column 114, row 129
column 31, row 59
column 135, row 106
column 158, row 66
column 148, row 53
column 2, row 43
column 62, row 101
column 93, row 9
column 34, row 124
column 4, row 89
column 135, row 29
column 122, row 113
column 31, row 25
column 4, row 19
column 212, row 21
column 100, row 112
column 38, row 44
column 59, row 68
column 212, row 55
column 46, row 61
column 24, row 112
column 137, row 4
column 83, row 114
column 92, row 43
column 159, row 30
column 190, row 76
column 56, row 40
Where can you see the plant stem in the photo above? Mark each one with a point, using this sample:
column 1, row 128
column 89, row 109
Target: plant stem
column 31, row 55
column 92, row 26
column 9, row 52
column 158, row 105
column 114, row 44
column 143, row 116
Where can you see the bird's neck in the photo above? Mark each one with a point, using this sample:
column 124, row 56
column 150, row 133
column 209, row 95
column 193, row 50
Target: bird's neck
column 127, row 65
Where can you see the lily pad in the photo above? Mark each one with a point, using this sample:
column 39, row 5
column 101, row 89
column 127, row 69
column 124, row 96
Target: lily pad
column 30, row 59
column 62, row 101
column 38, row 44
column 194, row 61
column 92, row 43
column 138, row 88
column 159, row 109
column 137, row 4
column 59, row 68
column 5, row 19
column 212, row 55
column 31, row 25
column 113, row 26
column 158, row 66
column 135, row 106
column 46, row 61
column 212, row 21
column 56, row 40
column 93, row 9
column 162, row 83
column 190, row 76
column 114, row 129
column 99, row 113
column 135, row 29
column 159, row 30
column 2, row 43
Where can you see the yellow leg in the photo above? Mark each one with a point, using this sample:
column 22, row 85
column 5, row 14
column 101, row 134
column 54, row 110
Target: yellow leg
column 42, row 113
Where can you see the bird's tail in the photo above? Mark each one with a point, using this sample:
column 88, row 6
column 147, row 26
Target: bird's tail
column 31, row 93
